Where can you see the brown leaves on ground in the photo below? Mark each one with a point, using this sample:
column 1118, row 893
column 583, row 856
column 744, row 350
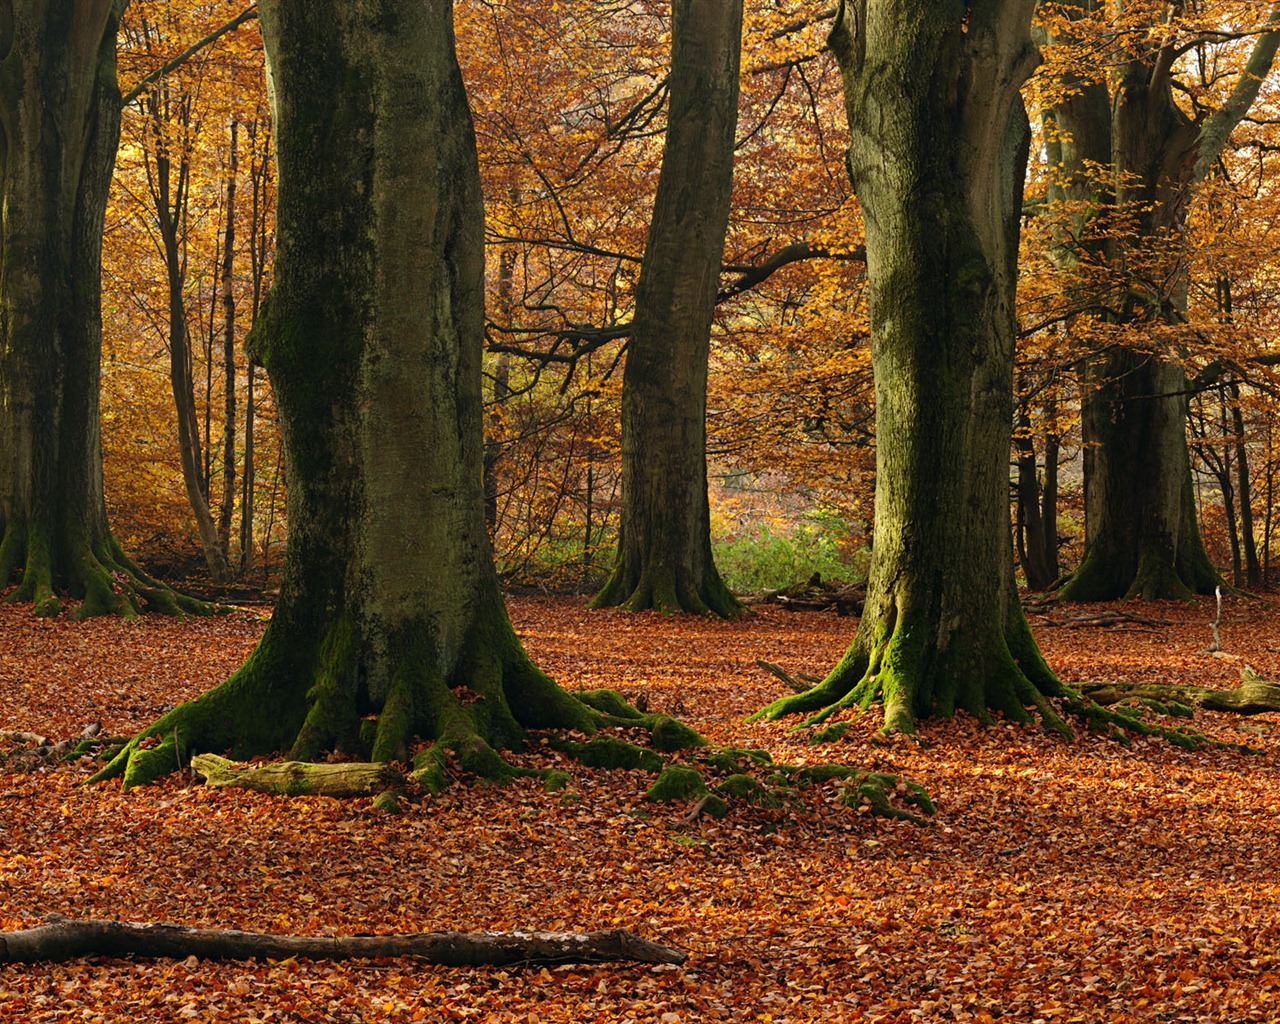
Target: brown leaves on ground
column 1081, row 882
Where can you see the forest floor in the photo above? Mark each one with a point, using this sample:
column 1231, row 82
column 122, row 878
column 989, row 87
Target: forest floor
column 1087, row 881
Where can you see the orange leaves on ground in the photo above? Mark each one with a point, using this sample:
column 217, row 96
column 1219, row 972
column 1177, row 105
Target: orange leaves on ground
column 1081, row 882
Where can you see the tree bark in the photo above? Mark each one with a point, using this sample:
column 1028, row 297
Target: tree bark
column 938, row 149
column 1141, row 535
column 59, row 126
column 1252, row 569
column 64, row 939
column 299, row 778
column 1142, row 538
column 390, row 623
column 664, row 556
column 227, row 287
column 1037, row 540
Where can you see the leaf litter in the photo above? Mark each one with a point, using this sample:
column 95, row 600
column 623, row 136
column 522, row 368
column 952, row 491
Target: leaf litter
column 1090, row 881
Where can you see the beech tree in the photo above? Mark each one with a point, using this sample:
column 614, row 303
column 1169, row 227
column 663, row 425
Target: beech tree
column 938, row 147
column 390, row 623
column 664, row 542
column 59, row 126
column 1141, row 534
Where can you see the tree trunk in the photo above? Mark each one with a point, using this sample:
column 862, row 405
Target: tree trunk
column 1141, row 537
column 938, row 149
column 664, row 556
column 227, row 506
column 170, row 200
column 1141, row 534
column 1252, row 570
column 390, row 623
column 1037, row 553
column 59, row 125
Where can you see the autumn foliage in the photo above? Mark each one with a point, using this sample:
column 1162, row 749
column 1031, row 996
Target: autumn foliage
column 1092, row 881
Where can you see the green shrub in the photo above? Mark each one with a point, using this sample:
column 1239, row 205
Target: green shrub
column 761, row 559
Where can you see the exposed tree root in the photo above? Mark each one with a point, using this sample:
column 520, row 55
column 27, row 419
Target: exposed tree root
column 878, row 793
column 100, row 575
column 658, row 588
column 897, row 670
column 64, row 939
column 1254, row 695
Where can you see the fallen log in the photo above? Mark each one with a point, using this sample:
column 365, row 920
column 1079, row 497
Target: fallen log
column 64, row 939
column 1254, row 695
column 299, row 778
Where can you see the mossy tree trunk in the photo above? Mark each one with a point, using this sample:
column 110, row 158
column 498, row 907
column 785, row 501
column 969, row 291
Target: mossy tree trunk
column 59, row 127
column 938, row 148
column 1141, row 535
column 390, row 623
column 664, row 545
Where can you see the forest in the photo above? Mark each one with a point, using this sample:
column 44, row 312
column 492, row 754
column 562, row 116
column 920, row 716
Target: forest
column 720, row 509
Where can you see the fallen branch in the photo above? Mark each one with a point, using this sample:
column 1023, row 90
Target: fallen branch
column 1110, row 619
column 799, row 685
column 64, row 939
column 1216, row 646
column 299, row 778
column 1254, row 695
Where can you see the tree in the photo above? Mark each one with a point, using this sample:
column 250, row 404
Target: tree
column 59, row 125
column 1142, row 538
column 389, row 623
column 938, row 149
column 664, row 543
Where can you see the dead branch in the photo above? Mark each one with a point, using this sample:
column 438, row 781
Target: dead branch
column 299, row 778
column 1104, row 620
column 63, row 939
column 796, row 684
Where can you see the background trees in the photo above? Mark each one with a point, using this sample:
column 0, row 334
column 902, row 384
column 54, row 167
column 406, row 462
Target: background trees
column 664, row 544
column 571, row 114
column 59, row 124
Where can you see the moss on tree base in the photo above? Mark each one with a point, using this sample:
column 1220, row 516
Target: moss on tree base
column 659, row 589
column 99, row 575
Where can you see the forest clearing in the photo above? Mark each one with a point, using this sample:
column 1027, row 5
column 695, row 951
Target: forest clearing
column 1083, row 881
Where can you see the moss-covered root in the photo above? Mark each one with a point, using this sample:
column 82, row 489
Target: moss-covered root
column 665, row 733
column 897, row 669
column 101, row 576
column 659, row 589
column 1122, row 721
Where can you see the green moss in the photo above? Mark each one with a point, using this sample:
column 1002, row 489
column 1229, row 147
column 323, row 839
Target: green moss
column 555, row 780
column 608, row 752
column 368, row 733
column 748, row 788
column 715, row 807
column 482, row 761
column 429, row 769
column 145, row 766
column 609, row 702
column 831, row 734
column 817, row 774
column 678, row 782
column 873, row 790
column 669, row 735
column 387, row 801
